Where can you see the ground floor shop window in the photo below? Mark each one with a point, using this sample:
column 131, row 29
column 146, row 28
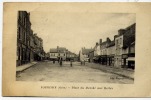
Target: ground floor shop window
column 131, row 64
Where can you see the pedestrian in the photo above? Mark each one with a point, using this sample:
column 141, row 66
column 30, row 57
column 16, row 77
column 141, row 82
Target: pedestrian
column 61, row 61
column 81, row 62
column 53, row 61
column 71, row 63
column 58, row 59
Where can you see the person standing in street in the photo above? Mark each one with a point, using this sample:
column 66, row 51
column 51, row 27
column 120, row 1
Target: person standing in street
column 84, row 62
column 70, row 62
column 60, row 61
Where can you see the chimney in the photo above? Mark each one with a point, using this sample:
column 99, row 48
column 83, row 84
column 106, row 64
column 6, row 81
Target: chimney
column 100, row 41
column 108, row 39
column 57, row 48
column 121, row 31
column 97, row 43
column 115, row 36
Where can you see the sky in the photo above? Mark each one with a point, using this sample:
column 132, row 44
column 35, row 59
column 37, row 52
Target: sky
column 74, row 30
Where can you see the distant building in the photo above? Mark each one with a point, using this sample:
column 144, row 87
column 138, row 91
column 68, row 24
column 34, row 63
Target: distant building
column 71, row 56
column 47, row 56
column 97, row 52
column 91, row 56
column 53, row 54
column 62, row 52
column 56, row 53
column 84, row 54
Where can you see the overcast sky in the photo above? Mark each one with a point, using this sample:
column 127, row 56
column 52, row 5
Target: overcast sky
column 74, row 30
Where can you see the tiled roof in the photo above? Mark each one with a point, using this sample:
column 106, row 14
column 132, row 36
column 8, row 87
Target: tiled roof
column 112, row 43
column 129, row 36
column 53, row 50
column 61, row 49
column 103, row 44
column 86, row 51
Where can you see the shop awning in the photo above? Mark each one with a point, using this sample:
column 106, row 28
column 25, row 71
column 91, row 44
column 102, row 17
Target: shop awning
column 96, row 58
column 131, row 59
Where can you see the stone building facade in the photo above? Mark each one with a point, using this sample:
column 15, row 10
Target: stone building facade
column 123, row 43
column 118, row 53
column 23, row 38
column 28, row 44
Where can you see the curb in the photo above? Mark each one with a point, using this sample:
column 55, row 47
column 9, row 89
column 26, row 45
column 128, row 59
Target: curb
column 114, row 73
column 26, row 68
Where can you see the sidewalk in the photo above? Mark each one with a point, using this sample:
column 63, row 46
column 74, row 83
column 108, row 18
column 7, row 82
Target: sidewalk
column 119, row 71
column 25, row 66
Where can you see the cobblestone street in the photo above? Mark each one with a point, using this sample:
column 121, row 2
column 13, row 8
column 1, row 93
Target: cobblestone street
column 47, row 71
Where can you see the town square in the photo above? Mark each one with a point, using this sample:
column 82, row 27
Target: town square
column 67, row 48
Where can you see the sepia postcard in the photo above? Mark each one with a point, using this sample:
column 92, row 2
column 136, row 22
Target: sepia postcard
column 76, row 49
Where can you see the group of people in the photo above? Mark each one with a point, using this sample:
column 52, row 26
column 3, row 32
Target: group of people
column 60, row 61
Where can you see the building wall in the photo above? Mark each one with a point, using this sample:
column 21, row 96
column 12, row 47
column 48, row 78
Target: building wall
column 118, row 51
column 81, row 56
column 104, row 51
column 111, row 50
column 39, row 52
column 132, row 49
column 53, row 55
column 119, row 45
column 23, row 38
column 28, row 45
column 98, row 51
column 62, row 55
column 91, row 55
column 95, row 51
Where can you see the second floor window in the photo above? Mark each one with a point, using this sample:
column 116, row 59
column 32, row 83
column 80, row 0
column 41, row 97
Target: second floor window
column 19, row 32
column 120, row 41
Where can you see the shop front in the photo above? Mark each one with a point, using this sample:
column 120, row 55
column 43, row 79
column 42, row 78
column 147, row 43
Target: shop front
column 131, row 62
column 103, row 59
column 124, row 61
column 110, row 60
column 96, row 59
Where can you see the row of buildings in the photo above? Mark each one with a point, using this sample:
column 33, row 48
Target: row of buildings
column 65, row 54
column 119, row 52
column 29, row 45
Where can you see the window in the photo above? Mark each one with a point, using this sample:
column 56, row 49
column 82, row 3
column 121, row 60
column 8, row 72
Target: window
column 25, row 22
column 19, row 32
column 24, row 37
column 28, row 43
column 18, row 53
column 116, row 43
column 120, row 40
